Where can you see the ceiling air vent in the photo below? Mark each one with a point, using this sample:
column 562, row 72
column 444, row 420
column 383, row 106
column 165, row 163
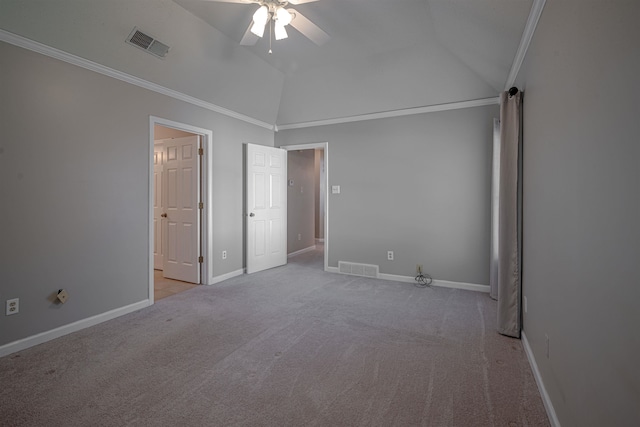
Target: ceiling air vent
column 146, row 42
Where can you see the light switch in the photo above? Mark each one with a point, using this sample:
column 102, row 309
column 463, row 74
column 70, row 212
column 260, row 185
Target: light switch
column 335, row 189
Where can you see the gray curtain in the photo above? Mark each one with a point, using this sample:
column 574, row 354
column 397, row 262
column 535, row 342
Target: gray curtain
column 495, row 205
column 510, row 214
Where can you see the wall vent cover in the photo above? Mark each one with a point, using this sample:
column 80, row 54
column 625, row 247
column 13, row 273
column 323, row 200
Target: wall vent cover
column 356, row 269
column 147, row 43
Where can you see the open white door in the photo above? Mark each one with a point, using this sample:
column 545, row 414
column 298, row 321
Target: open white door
column 158, row 165
column 180, row 216
column 266, row 207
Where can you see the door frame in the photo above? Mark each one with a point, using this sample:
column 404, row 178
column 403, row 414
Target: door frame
column 325, row 147
column 205, row 184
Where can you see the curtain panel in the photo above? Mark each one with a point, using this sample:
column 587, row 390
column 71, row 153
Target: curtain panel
column 510, row 215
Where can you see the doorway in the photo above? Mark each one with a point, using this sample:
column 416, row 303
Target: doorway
column 179, row 211
column 308, row 201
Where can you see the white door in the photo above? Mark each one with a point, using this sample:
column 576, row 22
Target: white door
column 180, row 226
column 266, row 207
column 158, row 164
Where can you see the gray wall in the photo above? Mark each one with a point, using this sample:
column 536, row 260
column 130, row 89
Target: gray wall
column 301, row 200
column 582, row 209
column 429, row 61
column 202, row 62
column 74, row 185
column 418, row 185
column 381, row 83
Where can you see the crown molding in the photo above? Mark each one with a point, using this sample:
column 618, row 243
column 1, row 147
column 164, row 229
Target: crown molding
column 394, row 113
column 52, row 52
column 527, row 35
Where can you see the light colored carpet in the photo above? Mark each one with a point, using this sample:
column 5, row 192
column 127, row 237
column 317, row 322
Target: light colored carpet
column 292, row 346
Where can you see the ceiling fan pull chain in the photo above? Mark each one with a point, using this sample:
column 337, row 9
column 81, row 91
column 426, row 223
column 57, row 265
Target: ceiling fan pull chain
column 270, row 35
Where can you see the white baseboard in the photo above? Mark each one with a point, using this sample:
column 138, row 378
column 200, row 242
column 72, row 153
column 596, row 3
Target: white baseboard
column 546, row 400
column 439, row 283
column 226, row 276
column 43, row 337
column 461, row 285
column 302, row 251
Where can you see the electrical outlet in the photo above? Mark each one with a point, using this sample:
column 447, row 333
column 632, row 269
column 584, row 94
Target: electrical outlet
column 13, row 306
column 390, row 255
column 224, row 254
column 299, row 236
column 546, row 340
column 419, row 269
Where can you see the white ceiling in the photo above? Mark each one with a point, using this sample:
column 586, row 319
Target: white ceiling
column 383, row 55
column 483, row 34
column 413, row 53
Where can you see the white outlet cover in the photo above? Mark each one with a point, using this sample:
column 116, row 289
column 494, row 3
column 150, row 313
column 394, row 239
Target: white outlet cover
column 335, row 189
column 13, row 306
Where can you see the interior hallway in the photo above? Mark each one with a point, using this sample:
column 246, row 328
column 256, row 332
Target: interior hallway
column 163, row 287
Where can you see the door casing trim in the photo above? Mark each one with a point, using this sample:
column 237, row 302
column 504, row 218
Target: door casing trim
column 325, row 147
column 205, row 176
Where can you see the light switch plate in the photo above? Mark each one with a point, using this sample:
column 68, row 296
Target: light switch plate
column 335, row 189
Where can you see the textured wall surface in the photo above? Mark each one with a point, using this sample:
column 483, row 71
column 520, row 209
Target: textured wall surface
column 417, row 185
column 581, row 209
column 74, row 185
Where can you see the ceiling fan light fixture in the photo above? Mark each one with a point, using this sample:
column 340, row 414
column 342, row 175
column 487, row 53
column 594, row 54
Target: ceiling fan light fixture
column 280, row 31
column 261, row 16
column 258, row 30
column 283, row 16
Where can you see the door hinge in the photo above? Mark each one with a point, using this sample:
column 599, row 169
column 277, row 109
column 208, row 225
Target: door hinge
column 200, row 259
column 200, row 151
column 201, row 205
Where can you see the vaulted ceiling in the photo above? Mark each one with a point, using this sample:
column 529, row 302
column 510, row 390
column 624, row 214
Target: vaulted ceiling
column 382, row 55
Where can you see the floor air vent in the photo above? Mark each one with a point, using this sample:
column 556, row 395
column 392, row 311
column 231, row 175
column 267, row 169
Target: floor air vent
column 355, row 269
column 147, row 43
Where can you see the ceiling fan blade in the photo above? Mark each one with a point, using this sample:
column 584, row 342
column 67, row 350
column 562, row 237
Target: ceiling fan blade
column 249, row 39
column 301, row 1
column 308, row 28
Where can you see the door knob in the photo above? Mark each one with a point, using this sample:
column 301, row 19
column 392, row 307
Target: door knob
column 252, row 214
column 164, row 215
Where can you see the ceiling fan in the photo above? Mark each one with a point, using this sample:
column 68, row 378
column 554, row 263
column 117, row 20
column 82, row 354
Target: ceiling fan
column 275, row 11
